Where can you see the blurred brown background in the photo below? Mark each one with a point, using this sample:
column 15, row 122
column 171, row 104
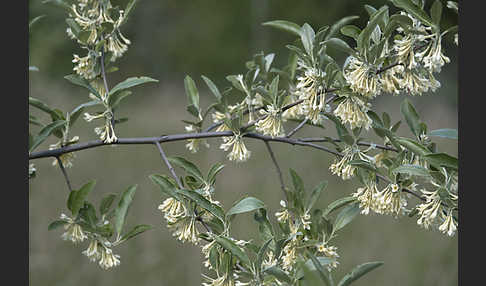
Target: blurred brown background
column 169, row 40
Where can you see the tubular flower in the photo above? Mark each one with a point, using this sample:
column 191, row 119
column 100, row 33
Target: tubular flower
column 239, row 152
column 390, row 200
column 362, row 77
column 106, row 132
column 270, row 260
column 309, row 88
column 272, row 123
column 93, row 252
column 416, row 84
column 85, row 66
column 117, row 44
column 185, row 229
column 390, row 82
column 331, row 253
column 290, row 255
column 405, row 51
column 108, row 259
column 74, row 231
column 193, row 144
column 448, row 226
column 66, row 158
column 367, row 197
column 305, row 220
column 432, row 55
column 173, row 210
column 283, row 215
column 342, row 168
column 429, row 210
column 353, row 111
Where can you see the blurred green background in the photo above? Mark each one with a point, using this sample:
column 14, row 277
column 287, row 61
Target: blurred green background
column 215, row 38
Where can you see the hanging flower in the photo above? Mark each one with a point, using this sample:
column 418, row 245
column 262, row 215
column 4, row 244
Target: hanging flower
column 362, row 77
column 272, row 123
column 353, row 111
column 239, row 152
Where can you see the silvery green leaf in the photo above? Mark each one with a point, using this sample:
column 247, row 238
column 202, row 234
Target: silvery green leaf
column 247, row 204
column 45, row 132
column 121, row 209
column 346, row 216
column 78, row 197
column 337, row 26
column 358, row 272
column 131, row 82
column 187, row 166
column 285, row 26
column 307, row 38
column 214, row 89
column 136, row 231
column 445, row 133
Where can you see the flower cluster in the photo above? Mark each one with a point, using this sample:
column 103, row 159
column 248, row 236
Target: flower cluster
column 352, row 110
column 98, row 248
column 272, row 123
column 309, row 88
column 239, row 152
column 91, row 17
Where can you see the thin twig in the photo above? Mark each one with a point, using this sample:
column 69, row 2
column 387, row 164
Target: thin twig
column 166, row 161
column 279, row 172
column 297, row 128
column 64, row 173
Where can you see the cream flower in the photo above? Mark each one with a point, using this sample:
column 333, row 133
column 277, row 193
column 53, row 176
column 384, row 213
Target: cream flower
column 93, row 252
column 362, row 77
column 185, row 230
column 448, row 226
column 353, row 111
column 239, row 152
column 173, row 210
column 429, row 210
column 85, row 66
column 272, row 123
column 74, row 232
column 390, row 200
column 108, row 259
column 341, row 167
column 367, row 197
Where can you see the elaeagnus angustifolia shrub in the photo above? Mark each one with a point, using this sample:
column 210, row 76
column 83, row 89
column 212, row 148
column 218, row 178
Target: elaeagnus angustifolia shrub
column 402, row 177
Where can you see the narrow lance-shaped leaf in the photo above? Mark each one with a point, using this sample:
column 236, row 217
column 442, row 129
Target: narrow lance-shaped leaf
column 203, row 202
column 45, row 132
column 106, row 203
column 358, row 272
column 340, row 45
column 338, row 204
column 445, row 133
column 436, row 12
column 443, row 160
column 413, row 170
column 323, row 274
column 214, row 89
column 337, row 26
column 346, row 216
column 233, row 249
column 314, row 196
column 79, row 196
column 122, row 208
column 136, row 231
column 261, row 254
column 307, row 37
column 187, row 166
column 77, row 80
column 128, row 10
column 215, row 169
column 130, row 82
column 411, row 117
column 166, row 186
column 246, row 205
column 191, row 91
column 285, row 26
